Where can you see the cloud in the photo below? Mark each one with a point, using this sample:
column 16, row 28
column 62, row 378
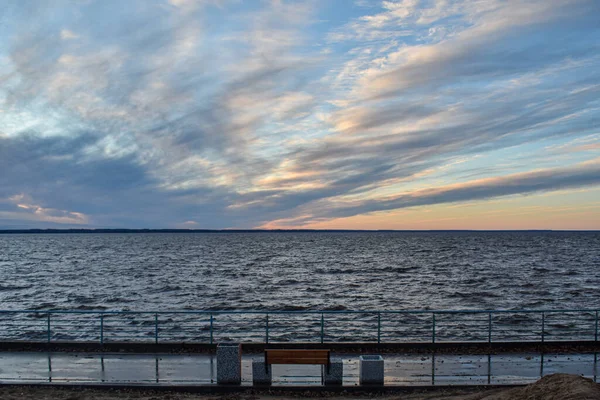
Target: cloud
column 146, row 129
column 486, row 48
column 22, row 208
column 225, row 114
column 66, row 34
column 580, row 175
column 424, row 114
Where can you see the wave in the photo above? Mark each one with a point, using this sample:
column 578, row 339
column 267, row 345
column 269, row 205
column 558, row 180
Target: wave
column 334, row 271
column 397, row 270
column 541, row 269
column 8, row 288
column 169, row 288
column 286, row 282
column 465, row 295
column 337, row 307
column 84, row 307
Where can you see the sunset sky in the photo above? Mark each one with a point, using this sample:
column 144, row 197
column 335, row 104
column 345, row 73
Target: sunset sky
column 414, row 114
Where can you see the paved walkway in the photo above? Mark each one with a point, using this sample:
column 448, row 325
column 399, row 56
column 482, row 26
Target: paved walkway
column 187, row 369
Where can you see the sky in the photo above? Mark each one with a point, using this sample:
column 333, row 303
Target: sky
column 337, row 114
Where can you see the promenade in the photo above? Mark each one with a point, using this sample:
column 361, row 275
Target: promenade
column 200, row 369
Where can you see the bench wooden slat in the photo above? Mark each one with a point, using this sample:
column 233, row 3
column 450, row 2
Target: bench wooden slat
column 292, row 360
column 298, row 352
column 276, row 356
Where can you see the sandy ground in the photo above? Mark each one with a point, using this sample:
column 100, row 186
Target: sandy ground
column 551, row 387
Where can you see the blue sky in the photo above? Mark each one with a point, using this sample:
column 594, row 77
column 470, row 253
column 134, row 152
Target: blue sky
column 405, row 114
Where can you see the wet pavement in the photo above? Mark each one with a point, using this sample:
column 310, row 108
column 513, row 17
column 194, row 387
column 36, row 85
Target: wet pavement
column 200, row 369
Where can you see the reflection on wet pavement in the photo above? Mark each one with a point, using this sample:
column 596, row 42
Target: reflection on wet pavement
column 177, row 369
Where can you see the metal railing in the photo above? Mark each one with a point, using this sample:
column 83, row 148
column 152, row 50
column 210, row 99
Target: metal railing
column 423, row 326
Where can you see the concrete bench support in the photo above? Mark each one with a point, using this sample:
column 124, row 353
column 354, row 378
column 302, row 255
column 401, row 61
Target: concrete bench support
column 371, row 370
column 229, row 364
column 260, row 374
column 335, row 374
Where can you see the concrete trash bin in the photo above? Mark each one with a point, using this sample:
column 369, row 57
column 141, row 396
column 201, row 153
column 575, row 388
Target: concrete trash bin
column 229, row 364
column 371, row 370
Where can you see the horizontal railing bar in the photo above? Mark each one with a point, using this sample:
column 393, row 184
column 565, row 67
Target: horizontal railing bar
column 232, row 312
column 251, row 325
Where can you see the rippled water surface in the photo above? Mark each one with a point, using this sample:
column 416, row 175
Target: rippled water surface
column 277, row 271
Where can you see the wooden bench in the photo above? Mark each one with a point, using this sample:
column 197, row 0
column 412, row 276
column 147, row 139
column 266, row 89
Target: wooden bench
column 319, row 357
column 289, row 356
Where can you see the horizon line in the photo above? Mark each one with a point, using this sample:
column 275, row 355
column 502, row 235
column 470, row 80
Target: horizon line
column 235, row 230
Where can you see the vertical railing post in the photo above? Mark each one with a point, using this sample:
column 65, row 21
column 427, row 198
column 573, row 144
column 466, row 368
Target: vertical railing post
column 211, row 328
column 432, row 327
column 489, row 368
column 322, row 327
column 378, row 327
column 267, row 329
column 433, row 369
column 596, row 332
column 595, row 367
column 48, row 331
column 156, row 328
column 102, row 329
column 543, row 325
column 489, row 327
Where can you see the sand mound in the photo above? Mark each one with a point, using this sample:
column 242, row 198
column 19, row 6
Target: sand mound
column 552, row 387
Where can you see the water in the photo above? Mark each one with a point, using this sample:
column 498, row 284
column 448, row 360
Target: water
column 301, row 271
column 298, row 271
